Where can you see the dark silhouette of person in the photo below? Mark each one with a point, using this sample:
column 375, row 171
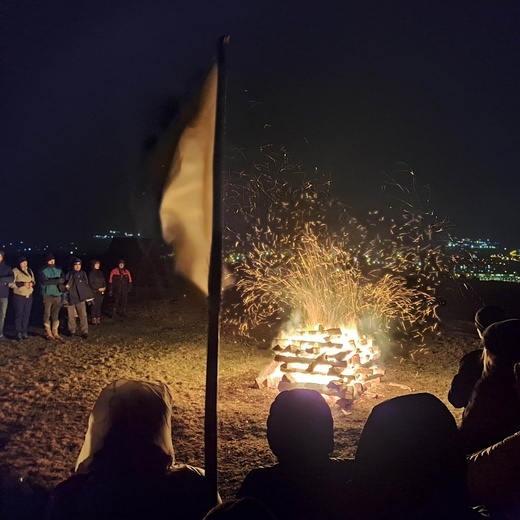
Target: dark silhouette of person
column 19, row 499
column 119, row 286
column 240, row 509
column 305, row 483
column 494, row 474
column 98, row 284
column 410, row 464
column 493, row 411
column 471, row 364
column 126, row 467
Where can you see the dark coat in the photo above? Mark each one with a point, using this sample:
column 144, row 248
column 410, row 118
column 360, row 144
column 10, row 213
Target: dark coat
column 176, row 493
column 470, row 371
column 120, row 281
column 494, row 478
column 6, row 277
column 79, row 289
column 493, row 411
column 96, row 280
column 303, row 492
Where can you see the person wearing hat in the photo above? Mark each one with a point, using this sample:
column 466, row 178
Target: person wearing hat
column 6, row 277
column 471, row 364
column 119, row 285
column 50, row 277
column 493, row 411
column 79, row 293
column 23, row 288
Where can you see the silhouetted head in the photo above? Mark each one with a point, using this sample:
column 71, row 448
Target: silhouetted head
column 409, row 457
column 2, row 256
column 488, row 315
column 501, row 344
column 240, row 509
column 121, row 264
column 300, row 426
column 95, row 263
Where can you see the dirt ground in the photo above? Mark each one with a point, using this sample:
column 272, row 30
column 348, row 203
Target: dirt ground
column 49, row 388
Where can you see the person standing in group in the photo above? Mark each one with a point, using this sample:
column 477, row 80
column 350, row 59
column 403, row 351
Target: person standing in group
column 98, row 284
column 79, row 292
column 6, row 277
column 119, row 285
column 49, row 277
column 23, row 288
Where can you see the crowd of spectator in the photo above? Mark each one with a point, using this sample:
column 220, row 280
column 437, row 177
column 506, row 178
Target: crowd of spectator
column 74, row 290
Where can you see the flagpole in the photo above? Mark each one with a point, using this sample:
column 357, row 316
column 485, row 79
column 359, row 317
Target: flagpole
column 215, row 280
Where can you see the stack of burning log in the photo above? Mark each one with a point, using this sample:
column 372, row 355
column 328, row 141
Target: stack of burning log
column 335, row 362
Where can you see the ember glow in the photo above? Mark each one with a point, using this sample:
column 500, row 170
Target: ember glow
column 319, row 281
column 336, row 362
column 305, row 260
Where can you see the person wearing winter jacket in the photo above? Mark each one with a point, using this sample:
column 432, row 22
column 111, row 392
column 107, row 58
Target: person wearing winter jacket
column 6, row 277
column 50, row 276
column 23, row 288
column 119, row 285
column 79, row 292
column 98, row 284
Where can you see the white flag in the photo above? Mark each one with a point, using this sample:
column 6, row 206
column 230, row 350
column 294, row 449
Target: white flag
column 187, row 203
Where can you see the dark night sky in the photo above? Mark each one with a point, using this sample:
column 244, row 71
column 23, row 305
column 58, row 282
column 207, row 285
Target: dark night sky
column 354, row 87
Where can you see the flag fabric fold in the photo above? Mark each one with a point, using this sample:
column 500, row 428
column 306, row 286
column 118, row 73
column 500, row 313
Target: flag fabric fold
column 187, row 203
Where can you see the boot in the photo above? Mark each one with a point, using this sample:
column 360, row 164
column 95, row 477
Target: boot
column 55, row 333
column 48, row 332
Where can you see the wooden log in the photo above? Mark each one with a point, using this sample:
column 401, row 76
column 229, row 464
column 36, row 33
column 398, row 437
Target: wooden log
column 297, row 343
column 358, row 390
column 264, row 378
column 355, row 359
column 286, row 369
column 280, row 358
column 286, row 385
column 333, row 332
column 373, row 381
column 344, row 403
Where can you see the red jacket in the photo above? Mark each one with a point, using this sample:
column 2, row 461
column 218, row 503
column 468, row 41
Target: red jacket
column 120, row 281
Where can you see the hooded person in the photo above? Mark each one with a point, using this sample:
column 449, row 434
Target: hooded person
column 471, row 364
column 126, row 467
column 119, row 286
column 300, row 432
column 6, row 278
column 410, row 464
column 50, row 277
column 98, row 284
column 23, row 289
column 493, row 411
